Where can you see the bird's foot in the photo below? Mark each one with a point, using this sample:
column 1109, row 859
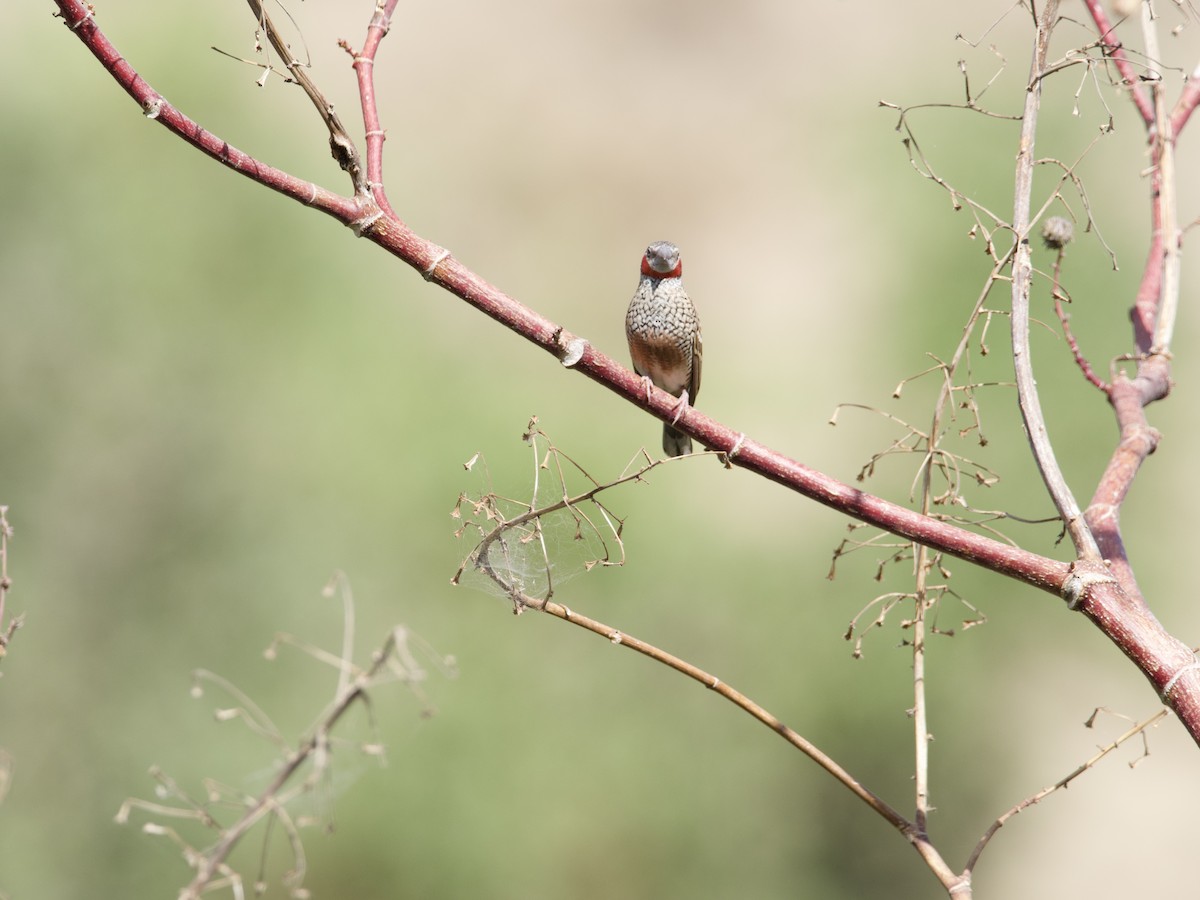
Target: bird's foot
column 649, row 387
column 680, row 406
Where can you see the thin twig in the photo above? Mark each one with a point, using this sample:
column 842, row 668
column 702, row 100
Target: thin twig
column 1063, row 782
column 364, row 67
column 1064, row 319
column 920, row 709
column 6, row 632
column 1188, row 100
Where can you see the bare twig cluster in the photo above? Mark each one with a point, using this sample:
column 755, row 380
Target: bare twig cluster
column 304, row 766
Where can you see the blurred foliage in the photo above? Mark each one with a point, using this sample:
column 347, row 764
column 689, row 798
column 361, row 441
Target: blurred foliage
column 211, row 399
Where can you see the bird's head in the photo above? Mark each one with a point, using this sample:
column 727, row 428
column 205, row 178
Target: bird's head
column 662, row 261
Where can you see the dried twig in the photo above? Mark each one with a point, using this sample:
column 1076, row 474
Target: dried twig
column 393, row 661
column 1063, row 782
column 6, row 631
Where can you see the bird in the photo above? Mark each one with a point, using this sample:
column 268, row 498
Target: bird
column 663, row 331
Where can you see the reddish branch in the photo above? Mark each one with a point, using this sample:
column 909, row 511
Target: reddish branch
column 1125, row 616
column 364, row 67
column 1064, row 319
column 1090, row 587
column 438, row 266
column 1112, row 47
column 1152, row 380
column 1187, row 103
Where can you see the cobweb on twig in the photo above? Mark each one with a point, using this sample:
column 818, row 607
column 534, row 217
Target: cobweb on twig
column 529, row 547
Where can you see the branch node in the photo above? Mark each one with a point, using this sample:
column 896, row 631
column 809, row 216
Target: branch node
column 573, row 351
column 359, row 226
column 437, row 261
column 1174, row 679
column 731, row 454
column 1076, row 585
column 90, row 15
column 151, row 107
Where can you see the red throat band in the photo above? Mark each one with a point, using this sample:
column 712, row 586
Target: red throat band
column 652, row 272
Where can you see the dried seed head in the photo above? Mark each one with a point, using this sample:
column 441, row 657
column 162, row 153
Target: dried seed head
column 1057, row 232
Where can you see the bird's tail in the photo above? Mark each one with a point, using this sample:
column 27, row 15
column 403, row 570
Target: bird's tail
column 675, row 443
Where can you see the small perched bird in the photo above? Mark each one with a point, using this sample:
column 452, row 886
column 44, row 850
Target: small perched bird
column 664, row 336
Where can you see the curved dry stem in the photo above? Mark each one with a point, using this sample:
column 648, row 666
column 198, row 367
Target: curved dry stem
column 912, row 833
column 6, row 631
column 1022, row 267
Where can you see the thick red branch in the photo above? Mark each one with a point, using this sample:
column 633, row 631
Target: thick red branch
column 1039, row 571
column 437, row 265
column 79, row 19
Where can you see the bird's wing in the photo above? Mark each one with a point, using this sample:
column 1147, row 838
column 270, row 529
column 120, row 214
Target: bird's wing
column 697, row 363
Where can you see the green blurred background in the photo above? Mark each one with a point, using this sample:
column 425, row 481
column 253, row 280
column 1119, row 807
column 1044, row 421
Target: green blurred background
column 212, row 399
